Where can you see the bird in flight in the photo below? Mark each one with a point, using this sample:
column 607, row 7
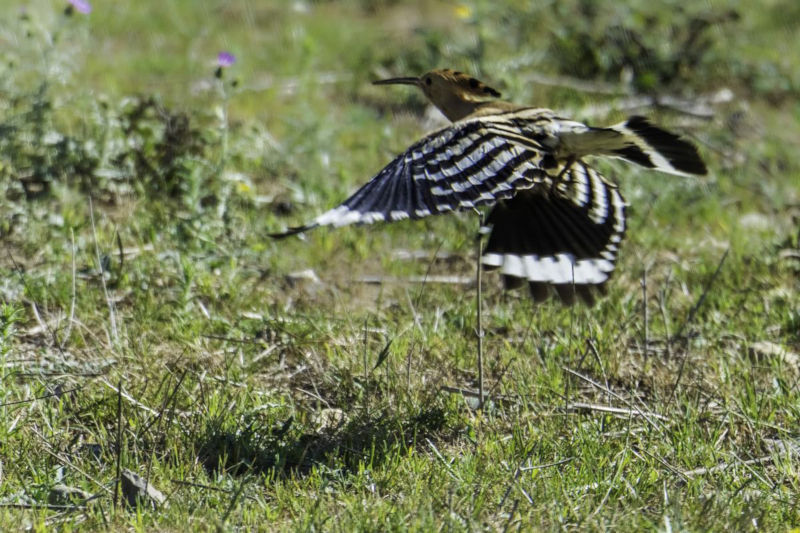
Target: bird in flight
column 555, row 222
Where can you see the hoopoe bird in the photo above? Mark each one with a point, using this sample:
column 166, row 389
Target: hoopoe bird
column 556, row 222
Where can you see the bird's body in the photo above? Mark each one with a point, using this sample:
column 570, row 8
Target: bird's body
column 556, row 222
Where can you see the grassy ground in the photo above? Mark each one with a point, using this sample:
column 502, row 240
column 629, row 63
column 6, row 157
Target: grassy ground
column 149, row 323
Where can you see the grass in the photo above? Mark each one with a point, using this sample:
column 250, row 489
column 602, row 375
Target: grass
column 157, row 328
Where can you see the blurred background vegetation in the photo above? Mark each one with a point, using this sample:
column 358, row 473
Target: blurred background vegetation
column 126, row 96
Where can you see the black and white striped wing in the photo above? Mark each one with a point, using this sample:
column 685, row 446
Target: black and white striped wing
column 566, row 237
column 468, row 164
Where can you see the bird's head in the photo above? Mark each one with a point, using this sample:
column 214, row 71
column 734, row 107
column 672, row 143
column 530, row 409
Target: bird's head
column 456, row 94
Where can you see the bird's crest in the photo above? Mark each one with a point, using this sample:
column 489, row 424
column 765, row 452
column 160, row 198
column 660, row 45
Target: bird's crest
column 446, row 82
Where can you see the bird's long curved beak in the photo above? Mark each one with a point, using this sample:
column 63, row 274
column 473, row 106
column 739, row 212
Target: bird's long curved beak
column 398, row 81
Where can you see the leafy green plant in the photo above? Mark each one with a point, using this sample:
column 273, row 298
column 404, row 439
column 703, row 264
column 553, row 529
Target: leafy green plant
column 139, row 145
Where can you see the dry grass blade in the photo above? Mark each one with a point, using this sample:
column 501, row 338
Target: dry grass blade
column 646, row 415
column 584, row 407
column 702, row 471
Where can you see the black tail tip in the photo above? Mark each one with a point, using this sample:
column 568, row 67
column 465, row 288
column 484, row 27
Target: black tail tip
column 681, row 154
column 289, row 232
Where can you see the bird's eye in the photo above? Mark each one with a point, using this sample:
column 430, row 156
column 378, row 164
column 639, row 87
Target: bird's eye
column 428, row 81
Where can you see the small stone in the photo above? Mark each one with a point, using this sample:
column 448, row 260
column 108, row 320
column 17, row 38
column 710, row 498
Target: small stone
column 65, row 495
column 329, row 419
column 763, row 350
column 303, row 276
column 136, row 490
column 755, row 221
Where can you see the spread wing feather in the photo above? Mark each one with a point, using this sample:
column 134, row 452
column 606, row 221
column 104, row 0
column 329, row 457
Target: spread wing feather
column 566, row 236
column 456, row 168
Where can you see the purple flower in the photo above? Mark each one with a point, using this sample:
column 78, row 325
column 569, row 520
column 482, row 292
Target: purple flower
column 225, row 59
column 81, row 6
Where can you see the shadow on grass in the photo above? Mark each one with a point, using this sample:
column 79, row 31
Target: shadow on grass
column 262, row 448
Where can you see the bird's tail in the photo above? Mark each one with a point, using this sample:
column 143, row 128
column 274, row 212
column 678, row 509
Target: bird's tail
column 637, row 140
column 653, row 147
